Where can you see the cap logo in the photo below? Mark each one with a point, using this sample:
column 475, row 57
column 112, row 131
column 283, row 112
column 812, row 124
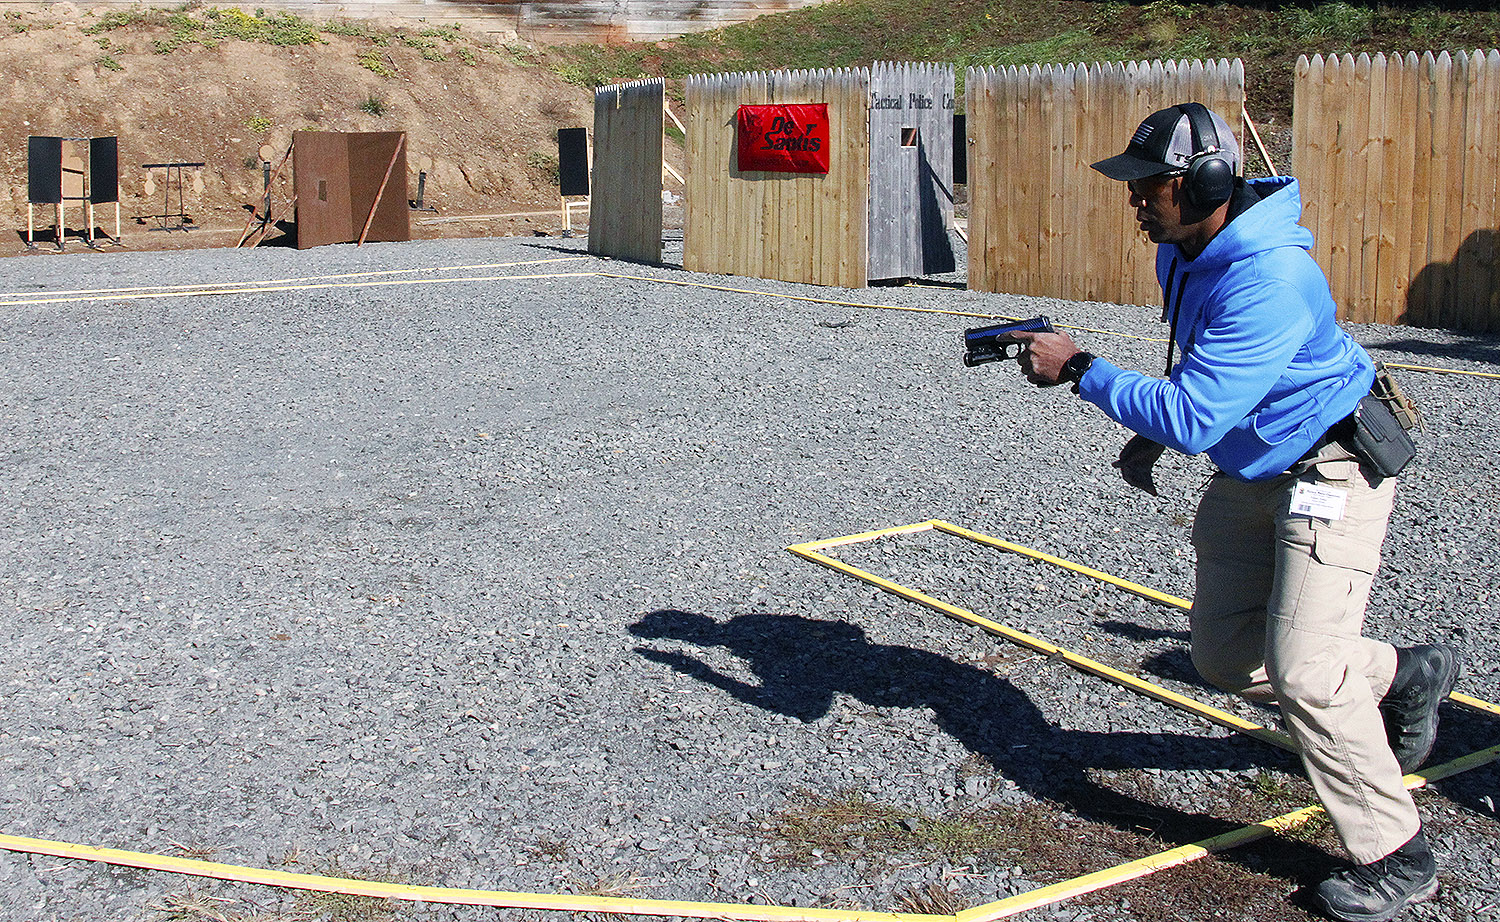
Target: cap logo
column 1141, row 134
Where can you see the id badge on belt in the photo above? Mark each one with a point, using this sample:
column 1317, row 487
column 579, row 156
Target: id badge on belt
column 1319, row 500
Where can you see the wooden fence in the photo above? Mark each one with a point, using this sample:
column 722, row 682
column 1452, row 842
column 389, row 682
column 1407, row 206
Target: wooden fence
column 1398, row 159
column 1041, row 222
column 795, row 227
column 625, row 199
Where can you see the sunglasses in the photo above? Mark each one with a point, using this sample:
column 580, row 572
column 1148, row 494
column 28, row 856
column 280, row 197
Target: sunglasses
column 1147, row 185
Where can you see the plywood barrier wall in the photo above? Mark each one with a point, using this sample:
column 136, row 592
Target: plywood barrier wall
column 1041, row 222
column 1398, row 158
column 911, row 170
column 350, row 186
column 807, row 228
column 625, row 204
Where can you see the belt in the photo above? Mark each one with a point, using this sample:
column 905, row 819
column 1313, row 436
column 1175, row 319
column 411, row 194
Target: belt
column 1339, row 430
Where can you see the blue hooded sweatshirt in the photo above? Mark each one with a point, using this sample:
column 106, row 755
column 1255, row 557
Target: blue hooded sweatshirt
column 1265, row 369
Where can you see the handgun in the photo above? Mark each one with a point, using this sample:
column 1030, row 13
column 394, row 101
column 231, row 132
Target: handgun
column 991, row 344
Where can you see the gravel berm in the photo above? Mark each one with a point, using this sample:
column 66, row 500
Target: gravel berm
column 483, row 583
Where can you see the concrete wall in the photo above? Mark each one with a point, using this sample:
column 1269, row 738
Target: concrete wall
column 635, row 20
column 551, row 21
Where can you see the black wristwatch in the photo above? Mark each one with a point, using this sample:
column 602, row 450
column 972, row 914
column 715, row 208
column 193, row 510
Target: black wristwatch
column 1075, row 368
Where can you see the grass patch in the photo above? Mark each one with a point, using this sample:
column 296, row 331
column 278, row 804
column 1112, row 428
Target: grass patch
column 307, row 905
column 933, row 899
column 265, row 29
column 209, row 27
column 546, row 164
column 375, row 62
column 425, row 46
column 373, row 105
column 1047, row 841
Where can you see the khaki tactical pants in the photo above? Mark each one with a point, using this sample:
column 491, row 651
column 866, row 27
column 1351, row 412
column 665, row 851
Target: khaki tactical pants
column 1278, row 615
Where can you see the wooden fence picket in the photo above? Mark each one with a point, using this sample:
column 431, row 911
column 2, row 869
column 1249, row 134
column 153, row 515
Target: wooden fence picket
column 1044, row 222
column 1399, row 161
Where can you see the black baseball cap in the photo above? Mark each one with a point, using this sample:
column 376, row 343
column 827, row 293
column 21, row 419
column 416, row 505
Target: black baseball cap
column 1164, row 143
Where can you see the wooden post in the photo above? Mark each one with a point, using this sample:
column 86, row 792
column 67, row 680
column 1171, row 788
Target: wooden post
column 380, row 193
column 1259, row 145
column 245, row 234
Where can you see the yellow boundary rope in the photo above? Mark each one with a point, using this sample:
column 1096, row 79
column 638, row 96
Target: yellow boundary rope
column 1150, row 864
column 810, row 551
column 315, row 287
column 104, row 293
column 999, row 909
column 564, row 902
column 22, row 299
column 813, row 551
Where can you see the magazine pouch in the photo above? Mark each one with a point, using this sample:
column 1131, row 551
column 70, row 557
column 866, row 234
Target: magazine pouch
column 1380, row 424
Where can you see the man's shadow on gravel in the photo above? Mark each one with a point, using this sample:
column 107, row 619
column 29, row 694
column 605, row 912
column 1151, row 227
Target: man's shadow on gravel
column 803, row 663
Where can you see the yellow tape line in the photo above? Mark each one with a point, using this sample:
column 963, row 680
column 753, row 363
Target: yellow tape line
column 1183, row 854
column 1150, row 864
column 274, row 288
column 449, row 895
column 1090, row 572
column 17, row 299
column 738, row 911
column 753, row 913
column 5, row 296
column 999, row 909
column 1130, row 870
column 1443, row 371
column 813, row 551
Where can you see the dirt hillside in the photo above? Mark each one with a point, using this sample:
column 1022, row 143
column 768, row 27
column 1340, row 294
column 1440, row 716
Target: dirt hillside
column 480, row 118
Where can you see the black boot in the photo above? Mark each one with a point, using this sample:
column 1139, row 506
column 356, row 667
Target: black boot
column 1424, row 677
column 1377, row 891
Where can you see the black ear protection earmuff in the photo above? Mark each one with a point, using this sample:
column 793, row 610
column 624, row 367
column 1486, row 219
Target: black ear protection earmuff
column 1210, row 174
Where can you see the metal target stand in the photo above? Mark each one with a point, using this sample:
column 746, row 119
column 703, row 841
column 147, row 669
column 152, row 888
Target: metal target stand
column 50, row 180
column 181, row 220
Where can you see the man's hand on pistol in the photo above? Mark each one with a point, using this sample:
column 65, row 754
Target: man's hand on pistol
column 1042, row 359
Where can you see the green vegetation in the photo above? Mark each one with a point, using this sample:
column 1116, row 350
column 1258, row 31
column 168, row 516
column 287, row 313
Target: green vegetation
column 357, row 30
column 373, row 105
column 373, row 61
column 210, row 27
column 259, row 124
column 191, row 906
column 172, row 29
column 988, row 33
column 425, row 45
column 811, row 827
column 275, row 29
column 546, row 164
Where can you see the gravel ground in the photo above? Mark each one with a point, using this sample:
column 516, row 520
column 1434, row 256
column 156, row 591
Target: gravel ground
column 484, row 583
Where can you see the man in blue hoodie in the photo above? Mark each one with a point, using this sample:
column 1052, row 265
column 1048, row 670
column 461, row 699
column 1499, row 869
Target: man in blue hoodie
column 1288, row 532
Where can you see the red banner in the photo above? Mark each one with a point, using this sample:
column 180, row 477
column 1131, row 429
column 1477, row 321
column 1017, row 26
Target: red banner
column 784, row 138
